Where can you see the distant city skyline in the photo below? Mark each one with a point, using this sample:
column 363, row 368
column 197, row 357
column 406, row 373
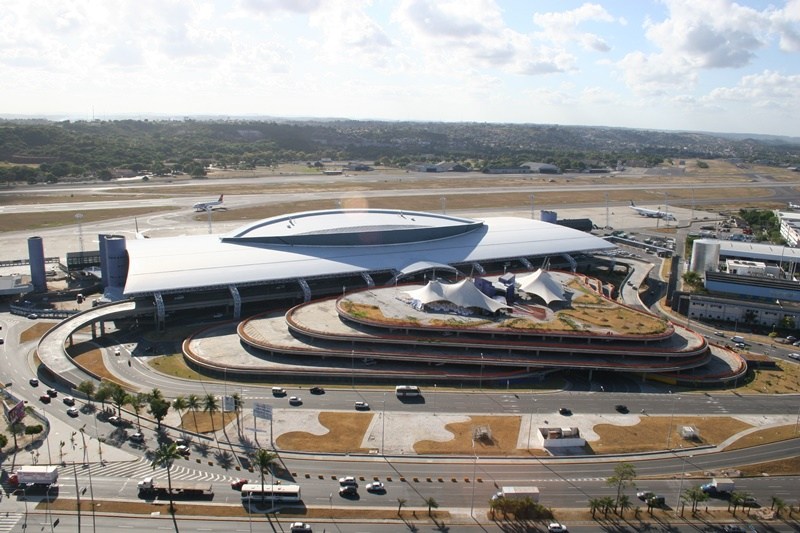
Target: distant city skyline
column 711, row 65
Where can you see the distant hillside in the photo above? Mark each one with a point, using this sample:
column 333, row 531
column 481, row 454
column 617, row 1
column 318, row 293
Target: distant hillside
column 86, row 148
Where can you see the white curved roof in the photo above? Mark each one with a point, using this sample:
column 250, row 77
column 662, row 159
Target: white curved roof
column 183, row 263
column 463, row 294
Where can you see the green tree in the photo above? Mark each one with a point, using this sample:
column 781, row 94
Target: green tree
column 263, row 461
column 164, row 456
column 211, row 406
column 138, row 401
column 103, row 394
column 779, row 506
column 624, row 474
column 193, row 403
column 88, row 389
column 119, row 397
column 624, row 503
column 607, row 505
column 695, row 495
column 180, row 404
column 432, row 504
column 159, row 407
column 3, row 441
column 595, row 504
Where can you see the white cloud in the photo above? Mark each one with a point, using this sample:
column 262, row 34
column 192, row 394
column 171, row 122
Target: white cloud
column 562, row 26
column 656, row 74
column 766, row 89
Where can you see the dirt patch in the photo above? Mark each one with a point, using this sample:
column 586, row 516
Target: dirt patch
column 50, row 219
column 346, row 432
column 35, row 332
column 202, row 421
column 493, row 435
column 91, row 358
column 765, row 436
column 190, row 509
column 650, row 434
column 784, row 380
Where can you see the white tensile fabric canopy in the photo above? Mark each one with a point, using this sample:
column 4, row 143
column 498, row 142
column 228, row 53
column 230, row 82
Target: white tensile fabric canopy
column 463, row 294
column 542, row 284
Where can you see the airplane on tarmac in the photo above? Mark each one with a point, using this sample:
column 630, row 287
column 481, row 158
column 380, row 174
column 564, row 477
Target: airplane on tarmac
column 652, row 213
column 206, row 206
column 794, row 206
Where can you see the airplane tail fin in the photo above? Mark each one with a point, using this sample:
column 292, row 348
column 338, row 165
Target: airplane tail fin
column 220, row 197
column 633, row 204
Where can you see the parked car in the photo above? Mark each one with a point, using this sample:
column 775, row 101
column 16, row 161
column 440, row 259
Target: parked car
column 183, row 450
column 137, row 437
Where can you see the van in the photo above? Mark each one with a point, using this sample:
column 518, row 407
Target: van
column 737, row 338
column 278, row 391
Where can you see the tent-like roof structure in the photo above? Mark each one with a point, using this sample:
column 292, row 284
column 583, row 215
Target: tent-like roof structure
column 542, row 284
column 463, row 294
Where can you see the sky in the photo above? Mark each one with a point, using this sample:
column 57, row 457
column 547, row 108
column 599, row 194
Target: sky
column 701, row 65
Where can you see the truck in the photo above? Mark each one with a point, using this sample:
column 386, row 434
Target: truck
column 719, row 485
column 518, row 493
column 154, row 487
column 28, row 476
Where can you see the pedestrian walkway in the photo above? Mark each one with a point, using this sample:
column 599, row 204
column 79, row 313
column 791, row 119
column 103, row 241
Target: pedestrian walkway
column 143, row 468
column 9, row 520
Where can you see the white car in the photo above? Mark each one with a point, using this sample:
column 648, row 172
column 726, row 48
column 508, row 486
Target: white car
column 794, row 355
column 376, row 486
column 299, row 527
column 362, row 406
column 295, row 400
column 556, row 527
column 348, row 481
column 72, row 411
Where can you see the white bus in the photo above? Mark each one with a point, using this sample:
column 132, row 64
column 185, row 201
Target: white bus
column 252, row 492
column 407, row 391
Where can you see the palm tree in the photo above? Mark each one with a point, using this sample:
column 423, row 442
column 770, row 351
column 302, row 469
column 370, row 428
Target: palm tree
column 400, row 503
column 180, row 404
column 263, row 460
column 595, row 504
column 238, row 403
column 778, row 505
column 159, row 407
column 102, row 394
column 624, row 474
column 432, row 504
column 119, row 397
column 164, row 456
column 137, row 402
column 211, row 406
column 193, row 403
column 623, row 503
column 608, row 504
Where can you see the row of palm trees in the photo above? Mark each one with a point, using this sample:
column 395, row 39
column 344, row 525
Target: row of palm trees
column 158, row 406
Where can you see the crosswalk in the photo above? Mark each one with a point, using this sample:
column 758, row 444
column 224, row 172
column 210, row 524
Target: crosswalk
column 142, row 468
column 8, row 521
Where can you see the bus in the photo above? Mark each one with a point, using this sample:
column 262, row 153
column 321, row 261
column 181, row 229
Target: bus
column 252, row 492
column 407, row 391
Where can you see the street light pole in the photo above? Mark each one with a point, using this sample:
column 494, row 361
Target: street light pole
column 474, row 475
column 671, row 418
column 433, row 400
column 480, row 381
column 383, row 424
